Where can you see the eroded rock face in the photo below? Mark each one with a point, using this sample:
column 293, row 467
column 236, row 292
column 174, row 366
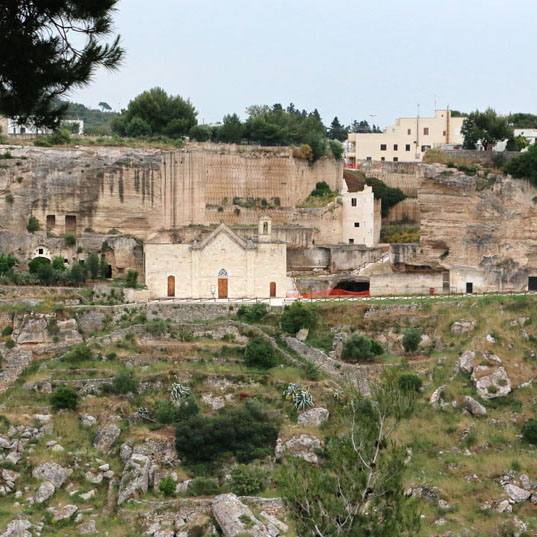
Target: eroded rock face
column 91, row 321
column 303, row 446
column 135, row 478
column 491, row 382
column 314, row 416
column 53, row 472
column 235, row 518
column 436, row 397
column 472, row 406
column 106, row 436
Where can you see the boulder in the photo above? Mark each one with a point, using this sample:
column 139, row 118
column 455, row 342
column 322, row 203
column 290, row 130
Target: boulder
column 68, row 332
column 462, row 326
column 271, row 519
column 61, row 512
column 436, row 397
column 87, row 528
column 214, row 401
column 517, row 494
column 135, row 478
column 235, row 518
column 33, row 330
column 466, row 361
column 44, row 492
column 17, row 528
column 50, row 471
column 491, row 382
column 106, row 436
column 125, row 452
column 303, row 446
column 470, row 404
column 314, row 416
column 94, row 478
column 302, row 334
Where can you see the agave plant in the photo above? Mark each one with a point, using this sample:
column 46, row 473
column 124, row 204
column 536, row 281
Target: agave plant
column 302, row 400
column 179, row 392
column 290, row 391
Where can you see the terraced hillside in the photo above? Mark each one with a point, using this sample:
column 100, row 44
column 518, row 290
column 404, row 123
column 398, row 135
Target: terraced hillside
column 178, row 420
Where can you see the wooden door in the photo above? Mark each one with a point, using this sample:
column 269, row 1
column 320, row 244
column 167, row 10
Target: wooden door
column 272, row 289
column 222, row 287
column 171, row 285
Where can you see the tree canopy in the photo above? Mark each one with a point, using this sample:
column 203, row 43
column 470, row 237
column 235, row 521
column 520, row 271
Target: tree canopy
column 486, row 127
column 156, row 113
column 53, row 47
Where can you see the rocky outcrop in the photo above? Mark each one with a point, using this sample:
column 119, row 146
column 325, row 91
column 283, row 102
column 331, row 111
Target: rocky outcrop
column 462, row 326
column 303, row 446
column 314, row 416
column 436, row 397
column 44, row 492
column 235, row 518
column 62, row 512
column 53, row 472
column 17, row 528
column 517, row 494
column 491, row 382
column 466, row 361
column 135, row 478
column 106, row 437
column 472, row 406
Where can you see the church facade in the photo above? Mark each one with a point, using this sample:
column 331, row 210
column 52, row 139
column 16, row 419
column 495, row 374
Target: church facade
column 221, row 266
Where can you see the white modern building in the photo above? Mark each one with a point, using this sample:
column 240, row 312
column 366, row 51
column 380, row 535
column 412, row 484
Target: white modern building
column 407, row 140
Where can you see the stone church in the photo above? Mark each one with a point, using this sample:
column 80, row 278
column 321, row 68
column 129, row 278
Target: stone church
column 223, row 265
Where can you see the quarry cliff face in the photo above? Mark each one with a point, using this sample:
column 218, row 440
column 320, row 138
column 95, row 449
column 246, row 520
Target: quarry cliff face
column 472, row 221
column 139, row 191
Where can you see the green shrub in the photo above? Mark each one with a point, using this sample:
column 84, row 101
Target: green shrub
column 77, row 274
column 254, row 313
column 411, row 339
column 359, row 348
column 167, row 413
column 245, row 433
column 35, row 264
column 247, row 480
column 202, row 486
column 80, row 353
column 70, row 239
column 321, row 190
column 58, row 264
column 298, row 316
column 64, row 397
column 132, row 279
column 92, row 265
column 125, row 382
column 33, row 224
column 167, row 486
column 524, row 166
column 10, row 344
column 7, row 262
column 157, row 327
column 409, row 383
column 7, row 331
column 260, row 353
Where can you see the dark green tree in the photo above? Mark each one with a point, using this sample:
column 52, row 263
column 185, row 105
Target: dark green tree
column 137, row 127
column 92, row 265
column 297, row 316
column 77, row 274
column 337, row 131
column 103, row 268
column 54, row 46
column 200, row 133
column 7, row 262
column 260, row 353
column 524, row 166
column 64, row 397
column 105, row 107
column 166, row 115
column 358, row 490
column 232, row 130
column 486, row 127
column 359, row 348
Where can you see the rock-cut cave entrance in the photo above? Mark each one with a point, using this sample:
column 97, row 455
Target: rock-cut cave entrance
column 353, row 286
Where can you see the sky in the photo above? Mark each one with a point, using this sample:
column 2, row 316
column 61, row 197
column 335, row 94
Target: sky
column 355, row 59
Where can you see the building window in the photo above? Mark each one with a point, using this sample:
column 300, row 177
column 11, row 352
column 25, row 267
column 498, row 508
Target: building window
column 356, row 224
column 368, row 158
column 40, row 251
column 425, row 131
column 395, row 159
column 351, row 241
column 383, row 147
column 443, row 133
column 407, row 147
column 395, row 147
column 424, row 148
column 353, row 202
column 382, row 159
column 409, row 131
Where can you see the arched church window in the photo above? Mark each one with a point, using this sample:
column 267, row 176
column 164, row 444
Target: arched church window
column 223, row 273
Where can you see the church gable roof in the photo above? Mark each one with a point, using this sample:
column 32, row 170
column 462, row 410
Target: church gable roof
column 222, row 228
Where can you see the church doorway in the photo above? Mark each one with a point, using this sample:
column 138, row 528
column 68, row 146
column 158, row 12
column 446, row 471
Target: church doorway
column 171, row 286
column 223, row 284
column 272, row 289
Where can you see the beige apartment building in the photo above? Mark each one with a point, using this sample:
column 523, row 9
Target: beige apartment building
column 407, row 140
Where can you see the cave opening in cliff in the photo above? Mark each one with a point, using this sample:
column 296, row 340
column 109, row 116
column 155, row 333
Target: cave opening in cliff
column 353, row 286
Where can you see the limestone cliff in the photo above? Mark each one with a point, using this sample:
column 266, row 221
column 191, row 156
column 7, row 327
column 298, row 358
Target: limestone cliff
column 474, row 221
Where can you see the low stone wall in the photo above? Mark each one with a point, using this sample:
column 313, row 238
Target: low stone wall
column 405, row 284
column 482, row 157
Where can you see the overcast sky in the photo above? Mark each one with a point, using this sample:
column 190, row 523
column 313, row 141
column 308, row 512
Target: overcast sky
column 352, row 58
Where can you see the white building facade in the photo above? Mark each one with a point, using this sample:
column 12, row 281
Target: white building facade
column 407, row 140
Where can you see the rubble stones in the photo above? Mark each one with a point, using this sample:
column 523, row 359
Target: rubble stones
column 517, row 494
column 44, row 492
column 466, row 361
column 61, row 512
column 17, row 528
column 303, row 446
column 314, row 416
